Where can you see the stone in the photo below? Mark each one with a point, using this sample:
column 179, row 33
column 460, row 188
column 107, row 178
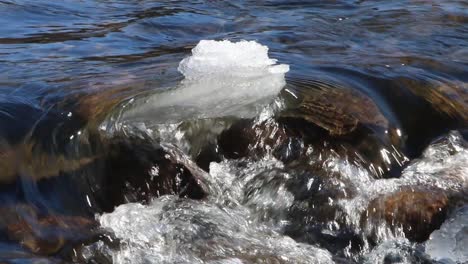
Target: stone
column 418, row 211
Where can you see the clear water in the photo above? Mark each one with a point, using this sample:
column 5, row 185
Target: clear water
column 69, row 66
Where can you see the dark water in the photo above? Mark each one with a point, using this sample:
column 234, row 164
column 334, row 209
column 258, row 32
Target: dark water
column 66, row 66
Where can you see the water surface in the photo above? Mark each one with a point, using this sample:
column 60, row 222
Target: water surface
column 69, row 65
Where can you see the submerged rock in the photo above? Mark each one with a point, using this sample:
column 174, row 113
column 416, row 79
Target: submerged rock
column 449, row 98
column 247, row 138
column 336, row 109
column 49, row 235
column 320, row 120
column 30, row 161
column 418, row 202
column 117, row 170
column 295, row 141
column 34, row 142
column 418, row 211
column 136, row 169
column 43, row 233
column 126, row 169
column 58, row 171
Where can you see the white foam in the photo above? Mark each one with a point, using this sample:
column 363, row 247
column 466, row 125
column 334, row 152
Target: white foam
column 391, row 249
column 448, row 244
column 444, row 165
column 174, row 230
column 222, row 78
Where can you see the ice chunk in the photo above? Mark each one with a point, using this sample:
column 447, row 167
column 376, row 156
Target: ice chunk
column 448, row 244
column 175, row 230
column 222, row 78
column 225, row 58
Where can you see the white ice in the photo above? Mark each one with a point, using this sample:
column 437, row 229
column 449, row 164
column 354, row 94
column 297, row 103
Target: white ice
column 222, row 78
column 242, row 59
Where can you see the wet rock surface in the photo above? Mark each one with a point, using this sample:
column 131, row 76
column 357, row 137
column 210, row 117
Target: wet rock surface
column 321, row 174
column 338, row 110
column 51, row 234
column 285, row 123
column 45, row 234
column 291, row 174
column 138, row 169
column 417, row 211
column 291, row 141
column 85, row 173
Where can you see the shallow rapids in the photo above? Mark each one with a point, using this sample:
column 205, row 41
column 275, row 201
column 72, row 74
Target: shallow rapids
column 233, row 132
column 285, row 202
column 245, row 222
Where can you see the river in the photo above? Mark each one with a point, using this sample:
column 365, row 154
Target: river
column 220, row 131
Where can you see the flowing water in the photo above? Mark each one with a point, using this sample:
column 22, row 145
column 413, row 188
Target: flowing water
column 233, row 131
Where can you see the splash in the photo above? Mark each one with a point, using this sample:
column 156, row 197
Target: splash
column 174, row 230
column 448, row 244
column 259, row 206
column 443, row 165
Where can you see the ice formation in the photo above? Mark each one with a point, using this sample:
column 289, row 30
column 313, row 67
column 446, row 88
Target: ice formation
column 448, row 244
column 242, row 59
column 222, row 78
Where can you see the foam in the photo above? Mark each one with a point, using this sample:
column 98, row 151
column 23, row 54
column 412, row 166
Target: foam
column 222, row 78
column 175, row 230
column 444, row 164
column 249, row 208
column 448, row 244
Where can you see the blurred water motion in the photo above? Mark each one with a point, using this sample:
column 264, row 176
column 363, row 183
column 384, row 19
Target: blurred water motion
column 359, row 158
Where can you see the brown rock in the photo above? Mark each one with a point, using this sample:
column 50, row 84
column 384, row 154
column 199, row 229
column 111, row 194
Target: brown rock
column 246, row 138
column 136, row 169
column 48, row 235
column 450, row 98
column 336, row 109
column 419, row 211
